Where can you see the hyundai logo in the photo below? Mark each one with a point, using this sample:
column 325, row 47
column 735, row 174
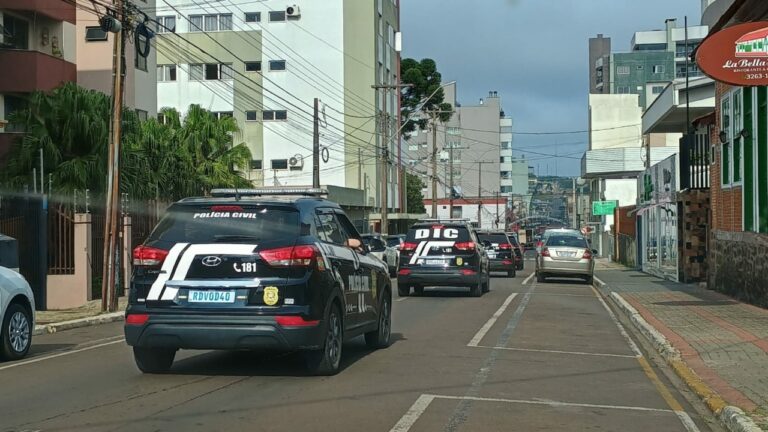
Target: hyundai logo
column 211, row 261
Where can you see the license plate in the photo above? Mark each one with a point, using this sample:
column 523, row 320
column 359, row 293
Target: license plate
column 567, row 254
column 435, row 262
column 211, row 296
column 492, row 255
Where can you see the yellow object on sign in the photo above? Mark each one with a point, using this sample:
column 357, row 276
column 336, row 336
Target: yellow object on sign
column 271, row 296
column 459, row 261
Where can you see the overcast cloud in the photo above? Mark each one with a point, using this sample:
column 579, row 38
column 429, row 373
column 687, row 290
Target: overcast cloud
column 534, row 53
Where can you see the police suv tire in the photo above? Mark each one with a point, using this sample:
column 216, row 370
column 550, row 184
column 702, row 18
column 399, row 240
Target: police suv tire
column 153, row 360
column 476, row 290
column 326, row 361
column 418, row 291
column 17, row 320
column 589, row 279
column 540, row 278
column 512, row 273
column 380, row 337
column 487, row 285
column 403, row 290
column 393, row 272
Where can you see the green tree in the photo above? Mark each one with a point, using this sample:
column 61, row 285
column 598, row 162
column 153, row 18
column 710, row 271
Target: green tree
column 425, row 80
column 414, row 196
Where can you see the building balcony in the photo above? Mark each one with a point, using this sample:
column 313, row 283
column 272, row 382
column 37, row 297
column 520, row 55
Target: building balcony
column 32, row 71
column 54, row 9
column 623, row 162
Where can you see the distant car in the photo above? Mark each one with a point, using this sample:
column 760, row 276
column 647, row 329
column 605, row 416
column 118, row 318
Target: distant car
column 442, row 253
column 396, row 241
column 547, row 233
column 564, row 254
column 17, row 313
column 501, row 251
column 519, row 251
column 381, row 250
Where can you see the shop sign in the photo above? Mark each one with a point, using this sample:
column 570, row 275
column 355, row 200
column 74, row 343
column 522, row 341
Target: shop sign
column 737, row 55
column 604, row 208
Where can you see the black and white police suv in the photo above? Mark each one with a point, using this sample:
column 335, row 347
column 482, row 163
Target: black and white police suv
column 442, row 253
column 261, row 269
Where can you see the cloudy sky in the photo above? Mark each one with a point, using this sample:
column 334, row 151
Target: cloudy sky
column 534, row 53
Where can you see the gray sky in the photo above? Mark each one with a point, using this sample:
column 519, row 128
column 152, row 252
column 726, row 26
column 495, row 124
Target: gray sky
column 534, row 53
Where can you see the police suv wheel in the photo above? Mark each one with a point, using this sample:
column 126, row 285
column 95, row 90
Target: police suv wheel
column 16, row 333
column 326, row 360
column 403, row 290
column 380, row 337
column 476, row 290
column 418, row 290
column 153, row 360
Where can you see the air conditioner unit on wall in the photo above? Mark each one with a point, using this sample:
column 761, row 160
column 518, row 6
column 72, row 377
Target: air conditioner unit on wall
column 296, row 162
column 293, row 11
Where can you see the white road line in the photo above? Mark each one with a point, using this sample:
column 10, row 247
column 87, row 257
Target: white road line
column 551, row 403
column 413, row 414
column 491, row 321
column 688, row 423
column 563, row 294
column 559, row 352
column 62, row 354
column 598, row 280
column 402, row 299
column 615, row 320
column 528, row 279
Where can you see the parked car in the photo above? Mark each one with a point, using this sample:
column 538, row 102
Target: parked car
column 500, row 250
column 256, row 269
column 567, row 255
column 562, row 231
column 442, row 253
column 381, row 250
column 17, row 314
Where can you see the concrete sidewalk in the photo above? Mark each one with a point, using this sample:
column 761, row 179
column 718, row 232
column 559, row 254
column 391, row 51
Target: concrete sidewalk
column 90, row 314
column 722, row 341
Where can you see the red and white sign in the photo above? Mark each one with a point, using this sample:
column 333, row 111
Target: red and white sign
column 587, row 230
column 737, row 55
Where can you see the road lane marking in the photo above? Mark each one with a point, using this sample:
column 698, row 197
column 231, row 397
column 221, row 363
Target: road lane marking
column 615, row 320
column 422, row 403
column 563, row 294
column 528, row 278
column 402, row 299
column 558, row 352
column 664, row 392
column 598, row 280
column 61, row 354
column 491, row 321
column 413, row 414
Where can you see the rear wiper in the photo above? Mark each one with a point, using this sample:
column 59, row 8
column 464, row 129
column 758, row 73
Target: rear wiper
column 235, row 237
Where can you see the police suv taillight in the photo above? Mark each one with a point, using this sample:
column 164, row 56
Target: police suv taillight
column 145, row 256
column 293, row 256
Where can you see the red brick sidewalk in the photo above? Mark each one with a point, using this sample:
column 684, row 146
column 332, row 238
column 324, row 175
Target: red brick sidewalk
column 724, row 341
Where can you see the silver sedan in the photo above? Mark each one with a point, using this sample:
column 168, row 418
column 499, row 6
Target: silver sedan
column 565, row 255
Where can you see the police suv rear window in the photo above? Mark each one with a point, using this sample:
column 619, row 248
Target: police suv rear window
column 493, row 238
column 225, row 224
column 457, row 233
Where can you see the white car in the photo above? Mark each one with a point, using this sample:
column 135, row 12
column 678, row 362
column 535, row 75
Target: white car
column 380, row 249
column 17, row 314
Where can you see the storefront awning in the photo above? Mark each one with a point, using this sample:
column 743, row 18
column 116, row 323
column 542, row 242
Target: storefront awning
column 668, row 113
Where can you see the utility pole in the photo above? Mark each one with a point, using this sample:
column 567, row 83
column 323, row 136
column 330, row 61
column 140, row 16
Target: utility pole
column 497, row 209
column 434, row 165
column 575, row 212
column 108, row 292
column 316, row 146
column 450, row 189
column 479, row 195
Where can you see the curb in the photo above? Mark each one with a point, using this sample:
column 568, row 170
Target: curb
column 733, row 418
column 78, row 323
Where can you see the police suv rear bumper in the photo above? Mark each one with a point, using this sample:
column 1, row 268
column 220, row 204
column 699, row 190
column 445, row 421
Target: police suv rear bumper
column 226, row 332
column 449, row 277
column 502, row 265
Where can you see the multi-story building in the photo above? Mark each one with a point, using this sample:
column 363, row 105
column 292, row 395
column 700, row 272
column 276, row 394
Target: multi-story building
column 507, row 158
column 599, row 58
column 264, row 64
column 94, row 56
column 37, row 50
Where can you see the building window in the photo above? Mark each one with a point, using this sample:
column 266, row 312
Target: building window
column 453, row 131
column 142, row 115
column 166, row 24
column 658, row 69
column 657, row 89
column 639, row 67
column 166, row 73
column 256, row 164
column 195, row 23
column 211, row 71
column 279, row 164
column 140, row 61
column 738, row 141
column 95, row 34
column 725, row 126
column 622, row 90
column 506, row 145
column 270, row 115
column 622, row 70
column 253, row 66
column 276, row 16
column 506, row 129
column 253, row 17
column 277, row 65
column 209, row 23
column 16, row 33
column 251, row 116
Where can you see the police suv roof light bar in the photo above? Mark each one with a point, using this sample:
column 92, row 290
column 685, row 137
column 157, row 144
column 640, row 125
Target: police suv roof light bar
column 232, row 192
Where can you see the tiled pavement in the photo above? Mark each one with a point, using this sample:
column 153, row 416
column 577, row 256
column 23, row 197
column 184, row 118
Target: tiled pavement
column 724, row 341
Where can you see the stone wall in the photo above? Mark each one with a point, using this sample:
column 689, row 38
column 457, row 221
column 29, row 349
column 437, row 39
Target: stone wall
column 739, row 266
column 693, row 229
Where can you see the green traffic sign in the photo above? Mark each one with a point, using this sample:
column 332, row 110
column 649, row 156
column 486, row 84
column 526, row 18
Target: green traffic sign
column 603, row 208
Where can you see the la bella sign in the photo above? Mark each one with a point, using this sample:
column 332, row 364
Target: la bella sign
column 737, row 55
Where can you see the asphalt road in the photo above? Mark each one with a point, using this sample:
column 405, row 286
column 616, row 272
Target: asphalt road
column 523, row 357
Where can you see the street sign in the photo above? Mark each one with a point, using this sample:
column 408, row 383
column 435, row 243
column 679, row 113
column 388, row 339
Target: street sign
column 603, row 208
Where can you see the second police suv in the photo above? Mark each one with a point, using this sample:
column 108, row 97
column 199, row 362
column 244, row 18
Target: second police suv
column 262, row 269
